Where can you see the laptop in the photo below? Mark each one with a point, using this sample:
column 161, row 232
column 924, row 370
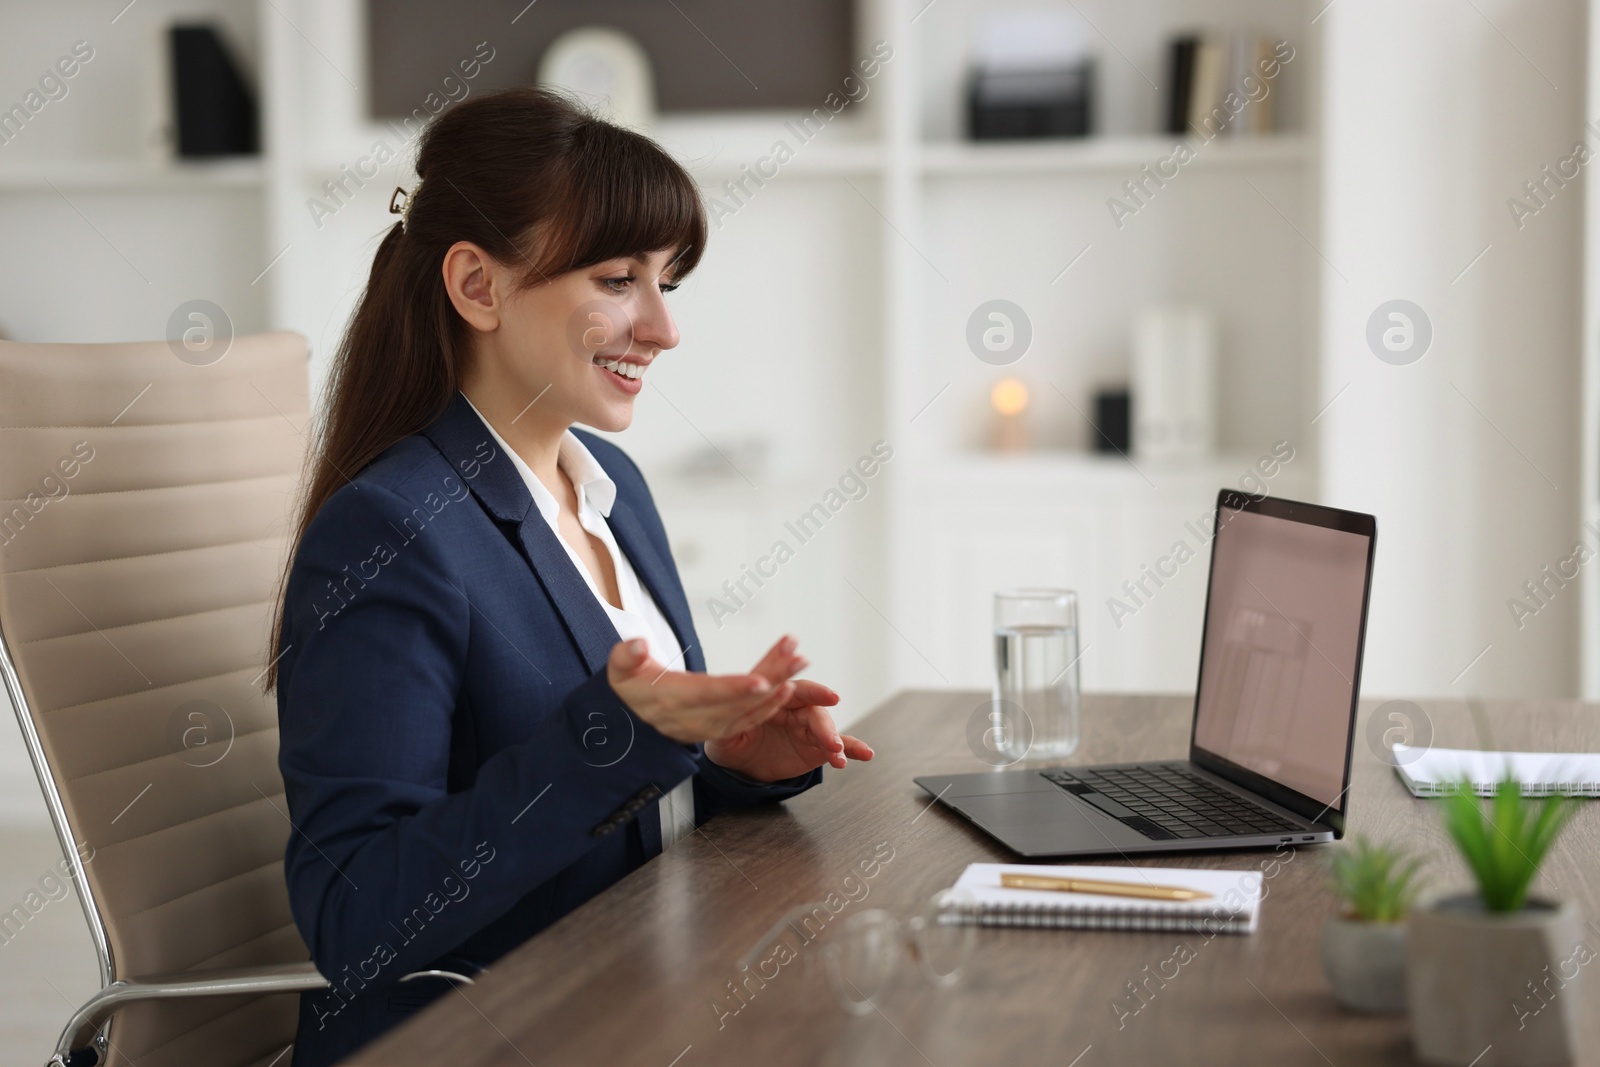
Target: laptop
column 1274, row 712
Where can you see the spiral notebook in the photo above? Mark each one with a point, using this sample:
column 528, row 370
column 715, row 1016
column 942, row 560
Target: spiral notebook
column 1234, row 907
column 1433, row 772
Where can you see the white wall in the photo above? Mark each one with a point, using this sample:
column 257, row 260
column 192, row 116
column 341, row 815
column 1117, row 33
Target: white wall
column 1436, row 112
column 98, row 261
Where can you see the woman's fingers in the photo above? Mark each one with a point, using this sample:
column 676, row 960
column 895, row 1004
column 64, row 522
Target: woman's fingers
column 630, row 659
column 823, row 733
column 783, row 648
column 713, row 690
column 761, row 712
column 781, row 661
column 856, row 748
column 810, row 729
column 813, row 726
column 722, row 706
column 809, row 692
column 851, row 748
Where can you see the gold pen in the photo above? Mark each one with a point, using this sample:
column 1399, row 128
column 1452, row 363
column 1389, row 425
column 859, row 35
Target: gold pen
column 1090, row 885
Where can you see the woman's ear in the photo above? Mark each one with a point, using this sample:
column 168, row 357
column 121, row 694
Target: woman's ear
column 476, row 285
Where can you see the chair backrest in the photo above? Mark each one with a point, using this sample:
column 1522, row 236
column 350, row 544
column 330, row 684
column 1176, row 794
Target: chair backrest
column 145, row 509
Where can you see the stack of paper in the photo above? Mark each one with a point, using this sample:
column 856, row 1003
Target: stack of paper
column 1432, row 772
column 1233, row 906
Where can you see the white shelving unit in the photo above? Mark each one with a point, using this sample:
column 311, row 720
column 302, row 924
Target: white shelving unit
column 107, row 237
column 1116, row 154
column 933, row 159
column 1589, row 437
column 1030, row 223
column 828, row 314
column 117, row 176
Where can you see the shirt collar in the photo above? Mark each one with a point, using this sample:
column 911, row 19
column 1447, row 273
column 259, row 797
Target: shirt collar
column 587, row 474
column 594, row 486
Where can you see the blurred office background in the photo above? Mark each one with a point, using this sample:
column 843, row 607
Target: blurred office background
column 984, row 242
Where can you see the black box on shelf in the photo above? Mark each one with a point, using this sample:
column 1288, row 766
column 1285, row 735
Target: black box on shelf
column 215, row 111
column 1007, row 104
column 1113, row 421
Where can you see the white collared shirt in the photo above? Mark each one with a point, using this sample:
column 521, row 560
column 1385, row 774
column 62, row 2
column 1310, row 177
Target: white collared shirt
column 639, row 615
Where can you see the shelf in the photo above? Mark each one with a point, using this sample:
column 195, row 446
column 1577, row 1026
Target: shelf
column 117, row 175
column 1108, row 153
column 818, row 160
column 961, row 159
column 957, row 159
column 713, row 167
column 1047, row 469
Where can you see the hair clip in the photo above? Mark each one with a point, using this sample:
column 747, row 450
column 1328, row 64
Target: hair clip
column 403, row 209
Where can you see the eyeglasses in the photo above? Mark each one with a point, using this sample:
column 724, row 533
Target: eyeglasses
column 860, row 955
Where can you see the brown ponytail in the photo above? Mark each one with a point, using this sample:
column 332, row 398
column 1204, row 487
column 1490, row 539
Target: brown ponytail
column 531, row 178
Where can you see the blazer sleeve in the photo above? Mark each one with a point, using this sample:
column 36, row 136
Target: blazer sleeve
column 368, row 690
column 716, row 789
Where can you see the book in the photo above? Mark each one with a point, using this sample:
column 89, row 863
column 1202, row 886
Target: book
column 1234, row 906
column 1208, row 89
column 1180, row 80
column 1216, row 85
column 1433, row 772
column 1262, row 114
column 216, row 112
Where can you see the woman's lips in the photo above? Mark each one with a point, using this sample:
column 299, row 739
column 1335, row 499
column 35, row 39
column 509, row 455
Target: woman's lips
column 630, row 386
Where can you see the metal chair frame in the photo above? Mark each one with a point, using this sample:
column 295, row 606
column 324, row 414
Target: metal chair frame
column 86, row 1031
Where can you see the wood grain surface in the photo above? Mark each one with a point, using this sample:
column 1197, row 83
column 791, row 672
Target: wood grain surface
column 645, row 973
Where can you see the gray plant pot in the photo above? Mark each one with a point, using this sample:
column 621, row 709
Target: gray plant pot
column 1366, row 964
column 1495, row 989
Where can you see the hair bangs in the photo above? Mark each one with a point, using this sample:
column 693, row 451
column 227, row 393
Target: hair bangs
column 625, row 197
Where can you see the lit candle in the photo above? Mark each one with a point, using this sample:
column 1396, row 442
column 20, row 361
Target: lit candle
column 1009, row 427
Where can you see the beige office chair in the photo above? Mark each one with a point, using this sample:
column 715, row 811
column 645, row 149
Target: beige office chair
column 146, row 505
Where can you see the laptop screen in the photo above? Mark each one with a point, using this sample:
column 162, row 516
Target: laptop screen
column 1281, row 657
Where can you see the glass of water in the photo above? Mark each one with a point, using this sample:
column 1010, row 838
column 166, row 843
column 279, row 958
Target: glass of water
column 1036, row 672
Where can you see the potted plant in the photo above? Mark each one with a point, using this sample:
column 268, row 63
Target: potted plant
column 1364, row 947
column 1490, row 974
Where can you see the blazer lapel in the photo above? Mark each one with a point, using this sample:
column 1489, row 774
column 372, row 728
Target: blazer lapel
column 472, row 451
column 658, row 577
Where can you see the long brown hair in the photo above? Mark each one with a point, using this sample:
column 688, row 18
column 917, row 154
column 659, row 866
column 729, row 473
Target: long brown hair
column 533, row 179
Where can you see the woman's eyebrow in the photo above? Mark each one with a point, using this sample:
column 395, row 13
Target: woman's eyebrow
column 643, row 263
column 678, row 255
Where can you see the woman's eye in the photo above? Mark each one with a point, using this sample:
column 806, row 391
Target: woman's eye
column 617, row 285
column 669, row 287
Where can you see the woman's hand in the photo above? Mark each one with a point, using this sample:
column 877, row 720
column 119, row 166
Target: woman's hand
column 800, row 736
column 689, row 707
column 763, row 724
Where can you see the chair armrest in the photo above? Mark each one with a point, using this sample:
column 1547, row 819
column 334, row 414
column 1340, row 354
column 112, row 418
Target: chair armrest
column 230, row 981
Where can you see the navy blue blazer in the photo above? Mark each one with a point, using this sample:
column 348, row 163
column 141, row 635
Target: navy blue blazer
column 458, row 771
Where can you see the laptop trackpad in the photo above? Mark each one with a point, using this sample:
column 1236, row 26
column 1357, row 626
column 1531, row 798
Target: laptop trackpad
column 977, row 785
column 1039, row 822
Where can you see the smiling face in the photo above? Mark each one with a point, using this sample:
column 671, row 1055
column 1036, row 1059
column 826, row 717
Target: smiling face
column 573, row 349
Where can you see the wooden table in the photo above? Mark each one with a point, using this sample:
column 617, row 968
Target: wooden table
column 641, row 974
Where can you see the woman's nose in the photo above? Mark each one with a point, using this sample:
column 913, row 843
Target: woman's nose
column 653, row 325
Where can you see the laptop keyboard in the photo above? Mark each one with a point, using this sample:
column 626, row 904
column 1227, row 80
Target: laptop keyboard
column 1164, row 802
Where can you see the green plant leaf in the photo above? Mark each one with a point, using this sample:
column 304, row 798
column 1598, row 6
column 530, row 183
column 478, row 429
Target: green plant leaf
column 1504, row 840
column 1377, row 883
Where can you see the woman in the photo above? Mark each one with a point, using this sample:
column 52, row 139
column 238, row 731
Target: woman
column 491, row 698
